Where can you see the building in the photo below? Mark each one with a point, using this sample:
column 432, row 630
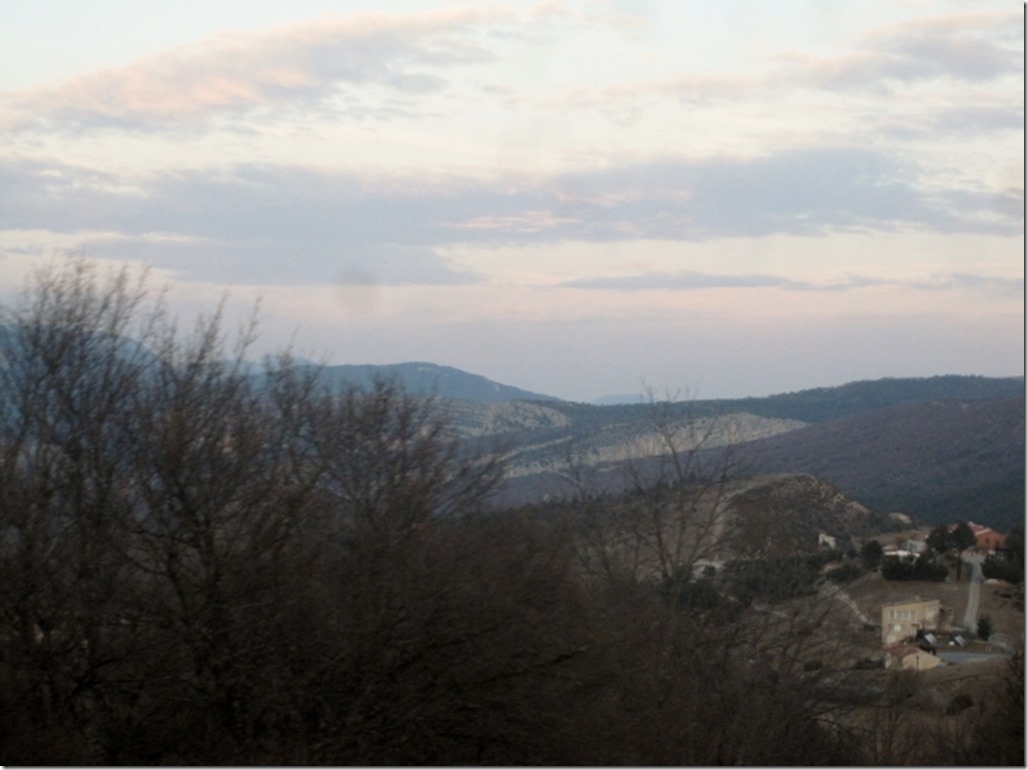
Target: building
column 986, row 538
column 902, row 620
column 916, row 546
column 907, row 657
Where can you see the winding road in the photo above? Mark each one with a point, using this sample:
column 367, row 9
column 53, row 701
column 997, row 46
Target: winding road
column 974, row 591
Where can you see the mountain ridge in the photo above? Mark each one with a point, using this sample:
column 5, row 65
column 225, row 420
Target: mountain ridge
column 940, row 448
column 423, row 378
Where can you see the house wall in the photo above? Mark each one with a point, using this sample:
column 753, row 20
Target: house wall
column 902, row 620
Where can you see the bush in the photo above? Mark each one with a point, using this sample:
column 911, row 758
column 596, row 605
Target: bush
column 921, row 568
column 1002, row 567
column 959, row 703
column 693, row 594
column 871, row 554
column 845, row 573
column 774, row 580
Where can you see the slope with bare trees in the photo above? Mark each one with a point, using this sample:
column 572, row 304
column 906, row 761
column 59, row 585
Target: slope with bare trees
column 198, row 566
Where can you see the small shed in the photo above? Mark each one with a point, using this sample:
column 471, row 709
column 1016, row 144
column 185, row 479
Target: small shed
column 907, row 657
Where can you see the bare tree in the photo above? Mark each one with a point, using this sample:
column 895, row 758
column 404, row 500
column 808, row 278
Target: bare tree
column 716, row 677
column 393, row 464
column 184, row 542
column 672, row 513
column 69, row 368
column 223, row 481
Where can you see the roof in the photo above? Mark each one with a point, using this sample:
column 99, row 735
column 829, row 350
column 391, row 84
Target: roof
column 990, row 539
column 911, row 600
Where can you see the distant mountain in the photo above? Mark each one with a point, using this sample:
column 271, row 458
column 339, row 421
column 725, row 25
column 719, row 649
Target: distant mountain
column 808, row 406
column 822, row 404
column 426, row 379
column 938, row 449
column 937, row 460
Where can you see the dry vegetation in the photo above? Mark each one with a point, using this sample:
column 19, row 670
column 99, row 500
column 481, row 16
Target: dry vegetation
column 200, row 566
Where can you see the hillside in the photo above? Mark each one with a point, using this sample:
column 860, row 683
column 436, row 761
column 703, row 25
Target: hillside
column 783, row 514
column 546, row 443
column 794, row 409
column 936, row 461
column 863, row 397
column 772, row 516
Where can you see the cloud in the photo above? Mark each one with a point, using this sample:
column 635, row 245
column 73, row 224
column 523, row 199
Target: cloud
column 306, row 64
column 689, row 280
column 291, row 224
column 974, row 48
column 990, row 284
column 971, row 50
column 691, row 89
column 972, row 120
column 810, row 191
column 693, row 281
column 681, row 281
column 979, row 118
column 250, row 224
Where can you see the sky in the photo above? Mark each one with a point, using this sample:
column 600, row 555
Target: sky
column 704, row 199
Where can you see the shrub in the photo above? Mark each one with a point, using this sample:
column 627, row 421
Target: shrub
column 959, row 703
column 1002, row 567
column 921, row 568
column 845, row 573
column 871, row 554
column 985, row 627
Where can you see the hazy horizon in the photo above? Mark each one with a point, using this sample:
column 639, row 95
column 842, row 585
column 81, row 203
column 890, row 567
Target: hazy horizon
column 646, row 390
column 579, row 198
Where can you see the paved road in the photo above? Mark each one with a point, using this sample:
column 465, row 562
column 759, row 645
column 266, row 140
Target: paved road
column 1004, row 642
column 974, row 592
column 964, row 658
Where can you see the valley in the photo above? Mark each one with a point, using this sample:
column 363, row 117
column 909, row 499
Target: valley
column 936, row 448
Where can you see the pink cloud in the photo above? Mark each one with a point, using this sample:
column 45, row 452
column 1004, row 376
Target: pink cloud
column 304, row 62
